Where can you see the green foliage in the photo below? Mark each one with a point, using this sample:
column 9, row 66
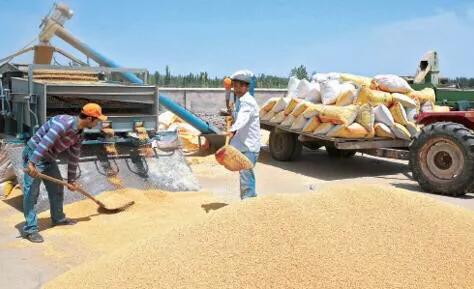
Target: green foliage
column 202, row 79
column 300, row 72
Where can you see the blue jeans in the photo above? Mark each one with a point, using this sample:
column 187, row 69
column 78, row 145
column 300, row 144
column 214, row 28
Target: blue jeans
column 31, row 189
column 247, row 178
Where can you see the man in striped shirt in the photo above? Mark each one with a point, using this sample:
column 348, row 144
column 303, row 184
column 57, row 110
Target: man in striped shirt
column 62, row 133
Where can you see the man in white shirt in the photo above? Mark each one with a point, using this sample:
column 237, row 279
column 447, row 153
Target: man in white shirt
column 245, row 132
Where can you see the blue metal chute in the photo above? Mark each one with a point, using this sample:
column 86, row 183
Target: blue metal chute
column 201, row 125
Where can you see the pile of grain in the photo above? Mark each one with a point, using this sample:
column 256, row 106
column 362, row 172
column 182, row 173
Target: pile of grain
column 340, row 237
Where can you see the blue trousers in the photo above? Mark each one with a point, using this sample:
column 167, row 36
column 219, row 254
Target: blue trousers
column 247, row 178
column 31, row 189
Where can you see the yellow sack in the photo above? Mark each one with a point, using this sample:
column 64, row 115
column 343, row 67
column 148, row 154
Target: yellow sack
column 269, row 115
column 288, row 121
column 323, row 128
column 335, row 131
column 299, row 123
column 291, row 106
column 412, row 128
column 262, row 113
column 373, row 97
column 278, row 118
column 424, row 95
column 355, row 130
column 281, row 104
column 311, row 124
column 401, row 132
column 344, row 115
column 268, row 105
column 359, row 80
column 382, row 130
column 347, row 95
column 399, row 114
column 405, row 100
column 440, row 108
column 300, row 108
column 366, row 117
column 313, row 110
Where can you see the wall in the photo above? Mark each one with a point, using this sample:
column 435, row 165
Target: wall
column 211, row 100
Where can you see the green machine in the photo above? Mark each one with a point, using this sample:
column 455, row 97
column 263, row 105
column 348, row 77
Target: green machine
column 427, row 75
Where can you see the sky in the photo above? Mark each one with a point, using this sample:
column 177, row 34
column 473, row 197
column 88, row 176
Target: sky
column 270, row 37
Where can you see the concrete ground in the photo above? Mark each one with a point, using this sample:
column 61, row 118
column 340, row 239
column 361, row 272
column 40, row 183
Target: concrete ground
column 28, row 268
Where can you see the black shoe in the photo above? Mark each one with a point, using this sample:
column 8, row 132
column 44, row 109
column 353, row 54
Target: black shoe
column 64, row 222
column 34, row 237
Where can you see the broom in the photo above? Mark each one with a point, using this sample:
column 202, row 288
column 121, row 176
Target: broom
column 231, row 158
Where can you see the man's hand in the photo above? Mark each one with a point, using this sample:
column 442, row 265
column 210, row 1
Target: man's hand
column 73, row 186
column 32, row 170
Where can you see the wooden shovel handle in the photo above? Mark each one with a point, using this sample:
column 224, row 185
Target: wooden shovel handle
column 65, row 184
column 228, row 121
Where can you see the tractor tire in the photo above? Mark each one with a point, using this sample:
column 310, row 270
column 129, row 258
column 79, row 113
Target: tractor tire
column 442, row 158
column 340, row 154
column 284, row 146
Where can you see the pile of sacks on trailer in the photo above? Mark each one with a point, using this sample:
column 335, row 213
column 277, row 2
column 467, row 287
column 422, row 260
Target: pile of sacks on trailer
column 351, row 106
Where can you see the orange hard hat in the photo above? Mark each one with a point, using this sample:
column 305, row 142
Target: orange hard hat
column 94, row 110
column 227, row 83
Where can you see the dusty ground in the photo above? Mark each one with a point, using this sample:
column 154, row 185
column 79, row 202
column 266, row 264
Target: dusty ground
column 25, row 265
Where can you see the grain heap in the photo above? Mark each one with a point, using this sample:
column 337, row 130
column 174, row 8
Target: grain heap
column 340, row 237
column 351, row 106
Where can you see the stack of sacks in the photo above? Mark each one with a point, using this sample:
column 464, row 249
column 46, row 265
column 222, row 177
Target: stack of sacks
column 351, row 106
column 188, row 135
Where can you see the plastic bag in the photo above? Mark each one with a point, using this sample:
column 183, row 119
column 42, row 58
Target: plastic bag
column 268, row 105
column 382, row 130
column 390, row 83
column 400, row 131
column 313, row 110
column 359, row 80
column 281, row 104
column 291, row 105
column 288, row 121
column 405, row 100
column 278, row 118
column 366, row 117
column 311, row 124
column 355, row 130
column 373, row 97
column 323, row 128
column 300, row 108
column 344, row 115
column 303, row 89
column 269, row 115
column 293, row 83
column 424, row 95
column 383, row 115
column 330, row 90
column 398, row 113
column 299, row 123
column 314, row 94
column 347, row 95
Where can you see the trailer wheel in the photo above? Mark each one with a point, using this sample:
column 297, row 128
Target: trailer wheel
column 284, row 146
column 340, row 154
column 442, row 158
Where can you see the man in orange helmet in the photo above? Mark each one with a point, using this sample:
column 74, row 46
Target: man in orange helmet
column 62, row 133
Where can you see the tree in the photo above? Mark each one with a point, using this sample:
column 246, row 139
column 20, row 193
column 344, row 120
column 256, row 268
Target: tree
column 300, row 72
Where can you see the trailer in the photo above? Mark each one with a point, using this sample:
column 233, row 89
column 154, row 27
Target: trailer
column 286, row 144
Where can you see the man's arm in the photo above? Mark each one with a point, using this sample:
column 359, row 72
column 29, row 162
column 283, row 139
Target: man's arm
column 74, row 152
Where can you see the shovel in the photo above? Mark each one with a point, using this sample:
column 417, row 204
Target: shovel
column 114, row 204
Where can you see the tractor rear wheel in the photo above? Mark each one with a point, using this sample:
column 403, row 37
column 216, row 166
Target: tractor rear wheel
column 442, row 158
column 284, row 146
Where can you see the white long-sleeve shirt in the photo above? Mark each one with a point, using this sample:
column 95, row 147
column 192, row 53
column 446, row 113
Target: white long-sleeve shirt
column 247, row 125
